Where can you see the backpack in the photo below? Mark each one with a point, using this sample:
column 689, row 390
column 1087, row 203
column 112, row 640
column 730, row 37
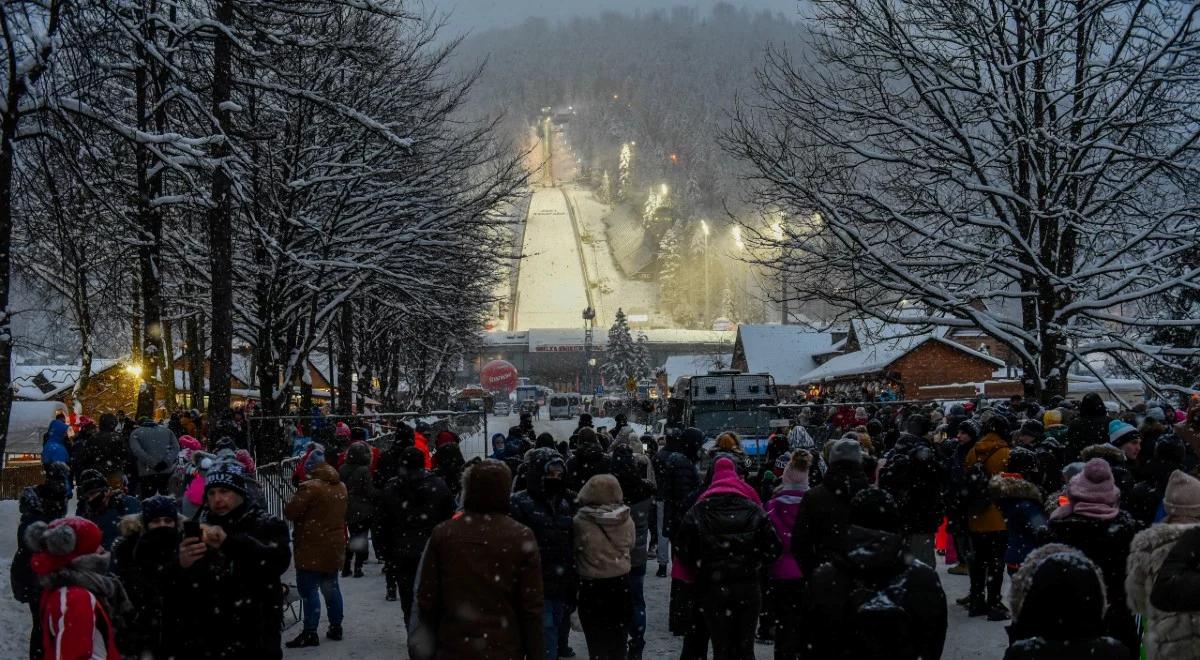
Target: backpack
column 880, row 610
column 975, row 489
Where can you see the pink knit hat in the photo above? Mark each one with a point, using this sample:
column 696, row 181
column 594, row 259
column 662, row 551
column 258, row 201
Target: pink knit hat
column 1093, row 491
column 726, row 481
column 188, row 442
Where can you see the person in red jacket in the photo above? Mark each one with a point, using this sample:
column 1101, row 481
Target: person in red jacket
column 79, row 597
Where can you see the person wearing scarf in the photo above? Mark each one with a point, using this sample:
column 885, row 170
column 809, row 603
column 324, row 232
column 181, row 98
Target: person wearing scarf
column 1092, row 521
column 81, row 604
column 786, row 579
column 725, row 540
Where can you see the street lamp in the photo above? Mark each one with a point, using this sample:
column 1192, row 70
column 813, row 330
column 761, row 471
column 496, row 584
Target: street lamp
column 707, row 293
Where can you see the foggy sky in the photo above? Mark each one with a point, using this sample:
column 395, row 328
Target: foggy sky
column 479, row 15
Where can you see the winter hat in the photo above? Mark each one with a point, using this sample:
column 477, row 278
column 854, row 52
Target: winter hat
column 1182, row 497
column 796, row 472
column 860, row 414
column 1052, row 417
column 61, row 542
column 996, row 425
column 918, row 425
column 188, row 442
column 444, row 438
column 226, row 475
column 1071, row 469
column 726, row 481
column 958, row 410
column 1033, row 429
column 1058, row 592
column 342, row 431
column 544, row 440
column 158, row 506
column 1156, row 413
column 357, row 434
column 412, row 459
column 874, row 508
column 246, row 460
column 1022, row 461
column 91, row 482
column 845, row 450
column 971, row 428
column 486, row 487
column 1120, row 433
column 315, row 458
column 1092, row 493
column 585, row 420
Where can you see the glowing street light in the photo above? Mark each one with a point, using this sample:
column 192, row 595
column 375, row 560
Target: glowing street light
column 134, row 370
column 664, row 190
column 704, row 226
column 707, row 293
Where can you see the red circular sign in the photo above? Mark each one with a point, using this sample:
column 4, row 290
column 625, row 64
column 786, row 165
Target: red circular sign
column 498, row 376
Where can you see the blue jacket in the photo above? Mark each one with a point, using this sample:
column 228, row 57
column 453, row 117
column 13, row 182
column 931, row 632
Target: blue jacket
column 55, row 450
column 109, row 519
column 1020, row 503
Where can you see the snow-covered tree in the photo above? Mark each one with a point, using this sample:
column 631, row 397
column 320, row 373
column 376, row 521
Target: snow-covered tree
column 620, row 354
column 642, row 353
column 1025, row 168
column 624, row 172
column 669, row 263
column 605, row 193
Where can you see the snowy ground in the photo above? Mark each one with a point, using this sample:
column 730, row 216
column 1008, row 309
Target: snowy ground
column 550, row 284
column 610, row 288
column 373, row 625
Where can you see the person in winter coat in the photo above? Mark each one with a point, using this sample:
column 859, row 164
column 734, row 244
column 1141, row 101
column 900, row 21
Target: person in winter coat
column 318, row 511
column 824, row 514
column 989, row 537
column 872, row 601
column 677, row 482
column 1168, row 635
column 230, row 579
column 480, row 589
column 786, row 580
column 79, row 600
column 497, row 447
column 146, row 559
column 103, row 505
column 408, row 508
column 1118, row 463
column 916, row 479
column 1016, row 494
column 106, row 452
column 42, row 503
column 449, row 463
column 1089, row 428
column 1058, row 604
column 155, row 448
column 360, row 491
column 587, row 460
column 604, row 536
column 1092, row 522
column 1145, row 503
column 54, row 449
column 545, row 507
column 638, row 495
column 726, row 539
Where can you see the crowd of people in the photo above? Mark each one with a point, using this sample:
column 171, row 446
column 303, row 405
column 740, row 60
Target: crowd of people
column 823, row 549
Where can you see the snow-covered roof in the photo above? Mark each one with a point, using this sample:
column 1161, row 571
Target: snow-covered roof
column 548, row 339
column 59, row 378
column 678, row 366
column 878, row 355
column 784, row 351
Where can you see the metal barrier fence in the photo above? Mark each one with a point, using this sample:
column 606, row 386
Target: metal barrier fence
column 19, row 470
column 276, row 482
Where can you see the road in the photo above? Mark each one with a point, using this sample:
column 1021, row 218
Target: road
column 551, row 285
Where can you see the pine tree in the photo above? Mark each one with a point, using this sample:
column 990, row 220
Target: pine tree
column 669, row 261
column 624, row 173
column 605, row 192
column 620, row 355
column 727, row 309
column 642, row 352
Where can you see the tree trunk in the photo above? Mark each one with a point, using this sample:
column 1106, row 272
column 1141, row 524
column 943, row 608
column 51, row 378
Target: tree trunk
column 149, row 242
column 195, row 362
column 345, row 377
column 220, row 220
column 170, row 395
column 135, row 324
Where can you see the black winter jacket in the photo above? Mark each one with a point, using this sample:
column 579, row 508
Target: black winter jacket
column 106, row 452
column 147, row 562
column 407, row 510
column 1090, row 428
column 360, row 487
column 232, row 598
column 727, row 539
column 551, row 517
column 871, row 602
column 679, row 483
column 916, row 479
column 824, row 516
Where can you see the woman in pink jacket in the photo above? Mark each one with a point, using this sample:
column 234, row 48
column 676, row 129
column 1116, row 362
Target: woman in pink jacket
column 786, row 579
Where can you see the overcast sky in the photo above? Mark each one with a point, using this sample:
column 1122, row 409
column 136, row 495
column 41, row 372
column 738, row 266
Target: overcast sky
column 479, row 15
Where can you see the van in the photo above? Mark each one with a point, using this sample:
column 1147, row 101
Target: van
column 560, row 407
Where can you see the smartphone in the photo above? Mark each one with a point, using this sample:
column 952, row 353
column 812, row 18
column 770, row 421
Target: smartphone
column 191, row 529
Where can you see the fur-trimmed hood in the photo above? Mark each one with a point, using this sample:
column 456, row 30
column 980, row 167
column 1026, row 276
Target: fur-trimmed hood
column 1008, row 486
column 1023, row 579
column 601, row 489
column 1167, row 635
column 1112, row 455
column 131, row 525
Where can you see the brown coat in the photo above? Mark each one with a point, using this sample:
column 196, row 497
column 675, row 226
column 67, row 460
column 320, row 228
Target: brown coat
column 319, row 512
column 993, row 452
column 604, row 530
column 480, row 590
